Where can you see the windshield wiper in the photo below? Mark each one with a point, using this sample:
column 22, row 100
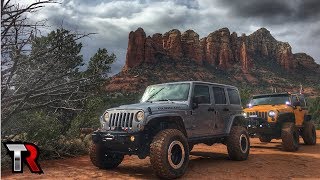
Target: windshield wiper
column 148, row 100
column 166, row 99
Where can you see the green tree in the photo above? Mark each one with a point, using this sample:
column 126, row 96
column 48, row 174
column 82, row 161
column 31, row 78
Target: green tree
column 314, row 109
column 49, row 78
column 100, row 63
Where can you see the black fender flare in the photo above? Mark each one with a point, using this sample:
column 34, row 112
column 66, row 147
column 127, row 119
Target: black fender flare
column 286, row 117
column 237, row 120
column 167, row 119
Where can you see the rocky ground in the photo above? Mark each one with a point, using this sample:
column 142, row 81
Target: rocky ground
column 206, row 162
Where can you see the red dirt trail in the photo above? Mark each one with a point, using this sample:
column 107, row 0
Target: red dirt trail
column 266, row 161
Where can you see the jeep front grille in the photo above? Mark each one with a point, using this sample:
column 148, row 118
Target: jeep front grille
column 263, row 115
column 121, row 119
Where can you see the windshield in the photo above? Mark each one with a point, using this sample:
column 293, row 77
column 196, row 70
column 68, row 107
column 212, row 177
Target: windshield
column 269, row 100
column 167, row 92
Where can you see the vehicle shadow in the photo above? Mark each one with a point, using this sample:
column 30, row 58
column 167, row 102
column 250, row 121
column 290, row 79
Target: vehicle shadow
column 276, row 147
column 209, row 155
column 140, row 172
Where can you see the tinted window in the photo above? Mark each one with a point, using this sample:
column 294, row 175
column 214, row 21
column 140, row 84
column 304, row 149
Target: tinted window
column 219, row 95
column 200, row 90
column 233, row 96
column 271, row 99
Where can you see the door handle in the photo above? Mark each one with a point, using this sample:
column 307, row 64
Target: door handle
column 211, row 109
column 225, row 109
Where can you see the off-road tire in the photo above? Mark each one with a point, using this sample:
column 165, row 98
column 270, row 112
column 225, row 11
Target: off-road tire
column 238, row 143
column 159, row 150
column 309, row 133
column 265, row 139
column 102, row 159
column 290, row 137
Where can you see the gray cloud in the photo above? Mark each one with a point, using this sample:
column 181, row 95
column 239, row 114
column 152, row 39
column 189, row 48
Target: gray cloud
column 275, row 11
column 293, row 21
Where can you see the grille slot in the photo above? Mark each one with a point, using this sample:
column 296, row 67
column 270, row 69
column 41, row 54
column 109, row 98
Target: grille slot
column 121, row 119
column 263, row 115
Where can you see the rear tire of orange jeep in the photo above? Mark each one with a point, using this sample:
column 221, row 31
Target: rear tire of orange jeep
column 309, row 133
column 238, row 143
column 290, row 137
column 102, row 159
column 169, row 154
column 265, row 139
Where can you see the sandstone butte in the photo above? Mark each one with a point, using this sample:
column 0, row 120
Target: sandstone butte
column 220, row 48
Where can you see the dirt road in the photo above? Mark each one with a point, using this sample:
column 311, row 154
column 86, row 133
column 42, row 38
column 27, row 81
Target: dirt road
column 206, row 162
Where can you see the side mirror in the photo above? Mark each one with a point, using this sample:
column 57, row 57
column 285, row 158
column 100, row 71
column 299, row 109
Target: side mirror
column 297, row 103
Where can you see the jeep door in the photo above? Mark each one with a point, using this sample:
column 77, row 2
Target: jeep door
column 221, row 109
column 234, row 102
column 202, row 114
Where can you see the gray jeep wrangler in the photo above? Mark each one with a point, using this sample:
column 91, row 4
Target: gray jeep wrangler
column 170, row 119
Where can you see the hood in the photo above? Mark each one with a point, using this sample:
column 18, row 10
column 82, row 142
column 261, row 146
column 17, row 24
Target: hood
column 268, row 108
column 154, row 106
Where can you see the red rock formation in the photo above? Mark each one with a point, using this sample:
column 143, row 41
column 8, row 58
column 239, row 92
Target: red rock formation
column 262, row 42
column 136, row 50
column 150, row 50
column 303, row 60
column 244, row 57
column 158, row 42
column 211, row 49
column 284, row 56
column 220, row 49
column 234, row 47
column 172, row 44
column 203, row 46
column 225, row 55
column 217, row 48
column 191, row 46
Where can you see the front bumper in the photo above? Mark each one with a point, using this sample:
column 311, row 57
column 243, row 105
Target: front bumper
column 259, row 126
column 120, row 142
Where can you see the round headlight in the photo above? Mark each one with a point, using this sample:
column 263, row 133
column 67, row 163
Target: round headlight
column 272, row 113
column 244, row 114
column 140, row 116
column 106, row 117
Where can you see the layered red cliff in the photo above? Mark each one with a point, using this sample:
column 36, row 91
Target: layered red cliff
column 220, row 49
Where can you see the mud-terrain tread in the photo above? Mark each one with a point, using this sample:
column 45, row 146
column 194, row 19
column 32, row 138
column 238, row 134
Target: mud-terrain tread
column 289, row 143
column 308, row 134
column 98, row 158
column 233, row 147
column 265, row 139
column 158, row 154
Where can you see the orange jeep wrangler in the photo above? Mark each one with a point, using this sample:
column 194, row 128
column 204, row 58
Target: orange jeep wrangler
column 280, row 116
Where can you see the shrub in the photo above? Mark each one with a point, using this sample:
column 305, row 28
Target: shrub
column 314, row 110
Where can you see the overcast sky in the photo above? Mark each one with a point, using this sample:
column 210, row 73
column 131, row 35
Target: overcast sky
column 293, row 21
